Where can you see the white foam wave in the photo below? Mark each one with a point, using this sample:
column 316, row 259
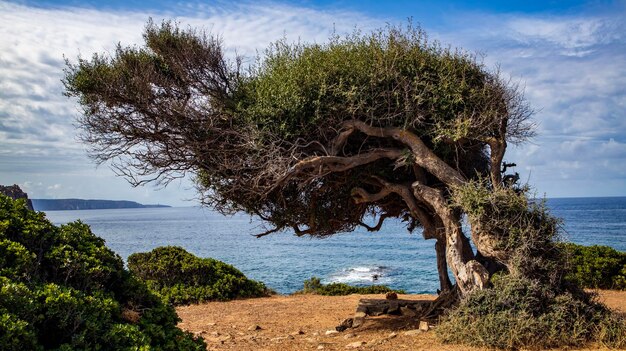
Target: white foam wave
column 365, row 275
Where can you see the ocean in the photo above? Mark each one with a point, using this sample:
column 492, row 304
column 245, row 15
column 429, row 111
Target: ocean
column 283, row 261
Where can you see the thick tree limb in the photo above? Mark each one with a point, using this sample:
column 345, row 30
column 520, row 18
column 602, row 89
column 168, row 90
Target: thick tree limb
column 424, row 156
column 468, row 272
column 497, row 149
column 442, row 266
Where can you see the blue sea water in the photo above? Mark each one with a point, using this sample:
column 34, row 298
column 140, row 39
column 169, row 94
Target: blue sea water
column 283, row 261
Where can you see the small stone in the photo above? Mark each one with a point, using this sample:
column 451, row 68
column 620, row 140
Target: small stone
column 299, row 332
column 345, row 324
column 316, row 333
column 349, row 336
column 211, row 324
column 255, row 327
column 412, row 332
column 355, row 345
column 241, row 333
column 360, row 314
column 392, row 335
column 311, row 340
column 391, row 296
column 331, row 332
column 320, row 347
column 215, row 334
column 424, row 326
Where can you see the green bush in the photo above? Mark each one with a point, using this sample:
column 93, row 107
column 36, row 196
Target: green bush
column 600, row 267
column 182, row 278
column 519, row 312
column 531, row 302
column 315, row 286
column 62, row 288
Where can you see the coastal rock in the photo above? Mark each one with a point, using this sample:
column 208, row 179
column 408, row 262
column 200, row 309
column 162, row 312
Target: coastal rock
column 424, row 326
column 15, row 192
column 331, row 332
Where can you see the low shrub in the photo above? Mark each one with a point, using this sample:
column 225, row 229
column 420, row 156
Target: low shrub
column 182, row 278
column 61, row 288
column 532, row 301
column 600, row 267
column 520, row 313
column 315, row 286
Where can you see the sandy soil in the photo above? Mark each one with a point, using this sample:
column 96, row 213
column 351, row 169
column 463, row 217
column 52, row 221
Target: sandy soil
column 301, row 322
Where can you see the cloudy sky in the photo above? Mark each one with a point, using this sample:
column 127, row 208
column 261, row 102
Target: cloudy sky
column 569, row 55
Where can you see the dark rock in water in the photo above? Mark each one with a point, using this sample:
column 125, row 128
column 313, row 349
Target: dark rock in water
column 15, row 193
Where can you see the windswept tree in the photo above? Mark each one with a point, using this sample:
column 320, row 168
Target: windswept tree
column 316, row 138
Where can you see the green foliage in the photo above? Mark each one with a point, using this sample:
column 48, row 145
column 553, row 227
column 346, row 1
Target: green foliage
column 315, row 286
column 521, row 231
column 596, row 266
column 530, row 303
column 521, row 313
column 182, row 278
column 61, row 288
column 442, row 92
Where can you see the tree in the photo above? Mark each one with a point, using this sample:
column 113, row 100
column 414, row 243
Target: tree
column 314, row 137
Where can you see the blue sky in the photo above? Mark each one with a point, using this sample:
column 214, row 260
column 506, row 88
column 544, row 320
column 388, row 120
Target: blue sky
column 569, row 55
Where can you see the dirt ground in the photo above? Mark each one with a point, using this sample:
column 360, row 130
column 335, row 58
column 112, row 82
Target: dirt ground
column 307, row 322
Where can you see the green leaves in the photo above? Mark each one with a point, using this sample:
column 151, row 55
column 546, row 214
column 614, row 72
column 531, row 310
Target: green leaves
column 182, row 278
column 596, row 267
column 62, row 288
column 314, row 286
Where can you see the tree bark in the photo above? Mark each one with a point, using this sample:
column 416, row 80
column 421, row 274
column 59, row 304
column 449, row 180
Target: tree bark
column 442, row 266
column 468, row 272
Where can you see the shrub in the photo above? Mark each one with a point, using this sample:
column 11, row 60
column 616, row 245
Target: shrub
column 531, row 303
column 315, row 286
column 596, row 266
column 182, row 278
column 62, row 288
column 519, row 313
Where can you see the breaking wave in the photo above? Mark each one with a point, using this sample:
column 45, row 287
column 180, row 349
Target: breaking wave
column 363, row 275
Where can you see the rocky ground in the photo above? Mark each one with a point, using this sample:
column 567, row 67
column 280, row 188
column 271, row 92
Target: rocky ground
column 307, row 322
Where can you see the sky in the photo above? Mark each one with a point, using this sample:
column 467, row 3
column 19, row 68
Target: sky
column 569, row 55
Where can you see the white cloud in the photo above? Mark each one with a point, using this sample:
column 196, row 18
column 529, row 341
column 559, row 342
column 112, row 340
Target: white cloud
column 573, row 67
column 36, row 132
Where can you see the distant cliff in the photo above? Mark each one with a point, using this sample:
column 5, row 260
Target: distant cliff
column 80, row 204
column 15, row 192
